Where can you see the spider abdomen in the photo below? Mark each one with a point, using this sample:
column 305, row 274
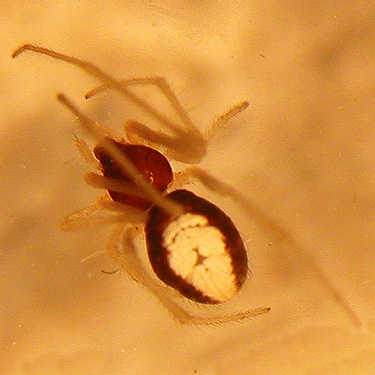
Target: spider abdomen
column 200, row 253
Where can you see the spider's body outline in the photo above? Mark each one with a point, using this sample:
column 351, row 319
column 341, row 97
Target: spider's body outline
column 185, row 275
column 135, row 196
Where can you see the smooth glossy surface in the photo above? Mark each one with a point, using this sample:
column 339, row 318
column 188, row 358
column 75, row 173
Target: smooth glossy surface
column 151, row 163
column 233, row 246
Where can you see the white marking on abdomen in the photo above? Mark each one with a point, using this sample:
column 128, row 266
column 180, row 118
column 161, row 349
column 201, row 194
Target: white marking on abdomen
column 197, row 253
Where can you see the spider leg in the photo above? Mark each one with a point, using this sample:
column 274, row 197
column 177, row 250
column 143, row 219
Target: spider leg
column 274, row 231
column 87, row 153
column 90, row 216
column 123, row 251
column 189, row 142
column 134, row 215
column 162, row 85
column 221, row 121
column 113, row 184
column 95, row 72
column 98, row 215
column 185, row 147
column 135, row 128
column 184, row 143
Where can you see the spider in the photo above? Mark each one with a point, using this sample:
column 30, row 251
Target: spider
column 194, row 248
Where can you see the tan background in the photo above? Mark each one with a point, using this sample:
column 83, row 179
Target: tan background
column 303, row 153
